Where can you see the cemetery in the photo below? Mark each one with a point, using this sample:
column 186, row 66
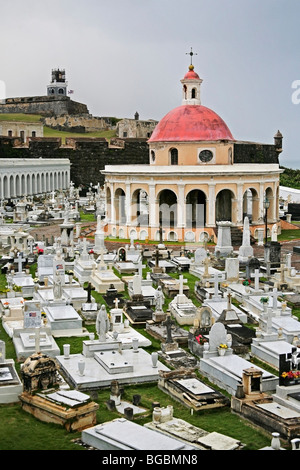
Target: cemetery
column 153, row 334
column 211, row 334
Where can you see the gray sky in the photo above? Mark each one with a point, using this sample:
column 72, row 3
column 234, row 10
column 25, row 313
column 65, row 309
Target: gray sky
column 123, row 56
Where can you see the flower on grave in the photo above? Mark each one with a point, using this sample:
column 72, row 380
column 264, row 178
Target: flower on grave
column 223, row 346
column 264, row 300
column 247, row 282
column 43, row 314
column 35, row 280
column 291, row 374
column 6, row 303
column 70, row 272
column 200, row 339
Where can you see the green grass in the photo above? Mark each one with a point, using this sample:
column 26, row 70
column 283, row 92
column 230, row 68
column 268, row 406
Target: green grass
column 49, row 132
column 292, row 234
column 20, row 117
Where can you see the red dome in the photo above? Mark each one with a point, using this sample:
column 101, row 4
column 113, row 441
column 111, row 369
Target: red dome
column 190, row 123
column 190, row 75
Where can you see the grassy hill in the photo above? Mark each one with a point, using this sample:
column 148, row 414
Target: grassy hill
column 50, row 132
column 20, row 117
column 290, row 178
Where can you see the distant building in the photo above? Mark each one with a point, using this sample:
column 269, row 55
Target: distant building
column 134, row 128
column 21, row 177
column 24, row 130
column 55, row 103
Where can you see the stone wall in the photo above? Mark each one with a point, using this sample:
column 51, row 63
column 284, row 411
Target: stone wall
column 44, row 105
column 87, row 156
column 77, row 123
column 249, row 152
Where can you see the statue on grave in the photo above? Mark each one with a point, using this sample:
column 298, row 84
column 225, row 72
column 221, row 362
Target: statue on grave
column 102, row 323
column 57, row 287
column 159, row 299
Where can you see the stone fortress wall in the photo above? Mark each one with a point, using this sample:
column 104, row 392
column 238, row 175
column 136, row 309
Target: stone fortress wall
column 88, row 156
column 43, row 105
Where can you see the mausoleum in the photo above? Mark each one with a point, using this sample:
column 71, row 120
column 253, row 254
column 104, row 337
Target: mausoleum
column 198, row 175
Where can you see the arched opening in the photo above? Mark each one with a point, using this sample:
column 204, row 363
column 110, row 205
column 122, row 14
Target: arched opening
column 195, row 209
column 23, row 188
column 167, row 208
column 140, row 207
column 224, row 205
column 33, row 185
column 11, row 187
column 28, row 184
column 270, row 196
column 38, row 183
column 5, row 187
column 173, row 156
column 120, row 206
column 251, row 205
column 193, row 93
column 18, row 186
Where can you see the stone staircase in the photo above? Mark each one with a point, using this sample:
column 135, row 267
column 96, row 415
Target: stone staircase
column 236, row 236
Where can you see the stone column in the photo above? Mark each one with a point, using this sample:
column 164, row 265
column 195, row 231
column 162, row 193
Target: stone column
column 239, row 204
column 128, row 204
column 153, row 212
column 112, row 203
column 181, row 206
column 211, row 206
column 261, row 210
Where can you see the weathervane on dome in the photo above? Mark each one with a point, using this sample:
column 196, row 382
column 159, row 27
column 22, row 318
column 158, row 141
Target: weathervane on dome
column 191, row 54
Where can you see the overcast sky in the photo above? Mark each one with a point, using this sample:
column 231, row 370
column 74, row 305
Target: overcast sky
column 123, row 56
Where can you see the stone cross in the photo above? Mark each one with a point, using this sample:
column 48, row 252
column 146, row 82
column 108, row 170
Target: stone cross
column 216, row 286
column 168, row 324
column 206, row 266
column 89, row 291
column 275, row 297
column 256, row 277
column 283, row 269
column 229, row 296
column 181, row 282
column 19, row 260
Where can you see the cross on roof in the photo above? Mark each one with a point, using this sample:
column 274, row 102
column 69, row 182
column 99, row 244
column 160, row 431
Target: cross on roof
column 191, row 53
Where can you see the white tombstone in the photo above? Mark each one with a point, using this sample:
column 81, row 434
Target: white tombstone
column 232, row 269
column 200, row 256
column 224, row 246
column 246, row 250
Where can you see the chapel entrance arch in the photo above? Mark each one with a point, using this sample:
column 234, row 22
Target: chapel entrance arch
column 195, row 209
column 251, row 205
column 224, row 205
column 167, row 208
column 120, row 206
column 140, row 208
